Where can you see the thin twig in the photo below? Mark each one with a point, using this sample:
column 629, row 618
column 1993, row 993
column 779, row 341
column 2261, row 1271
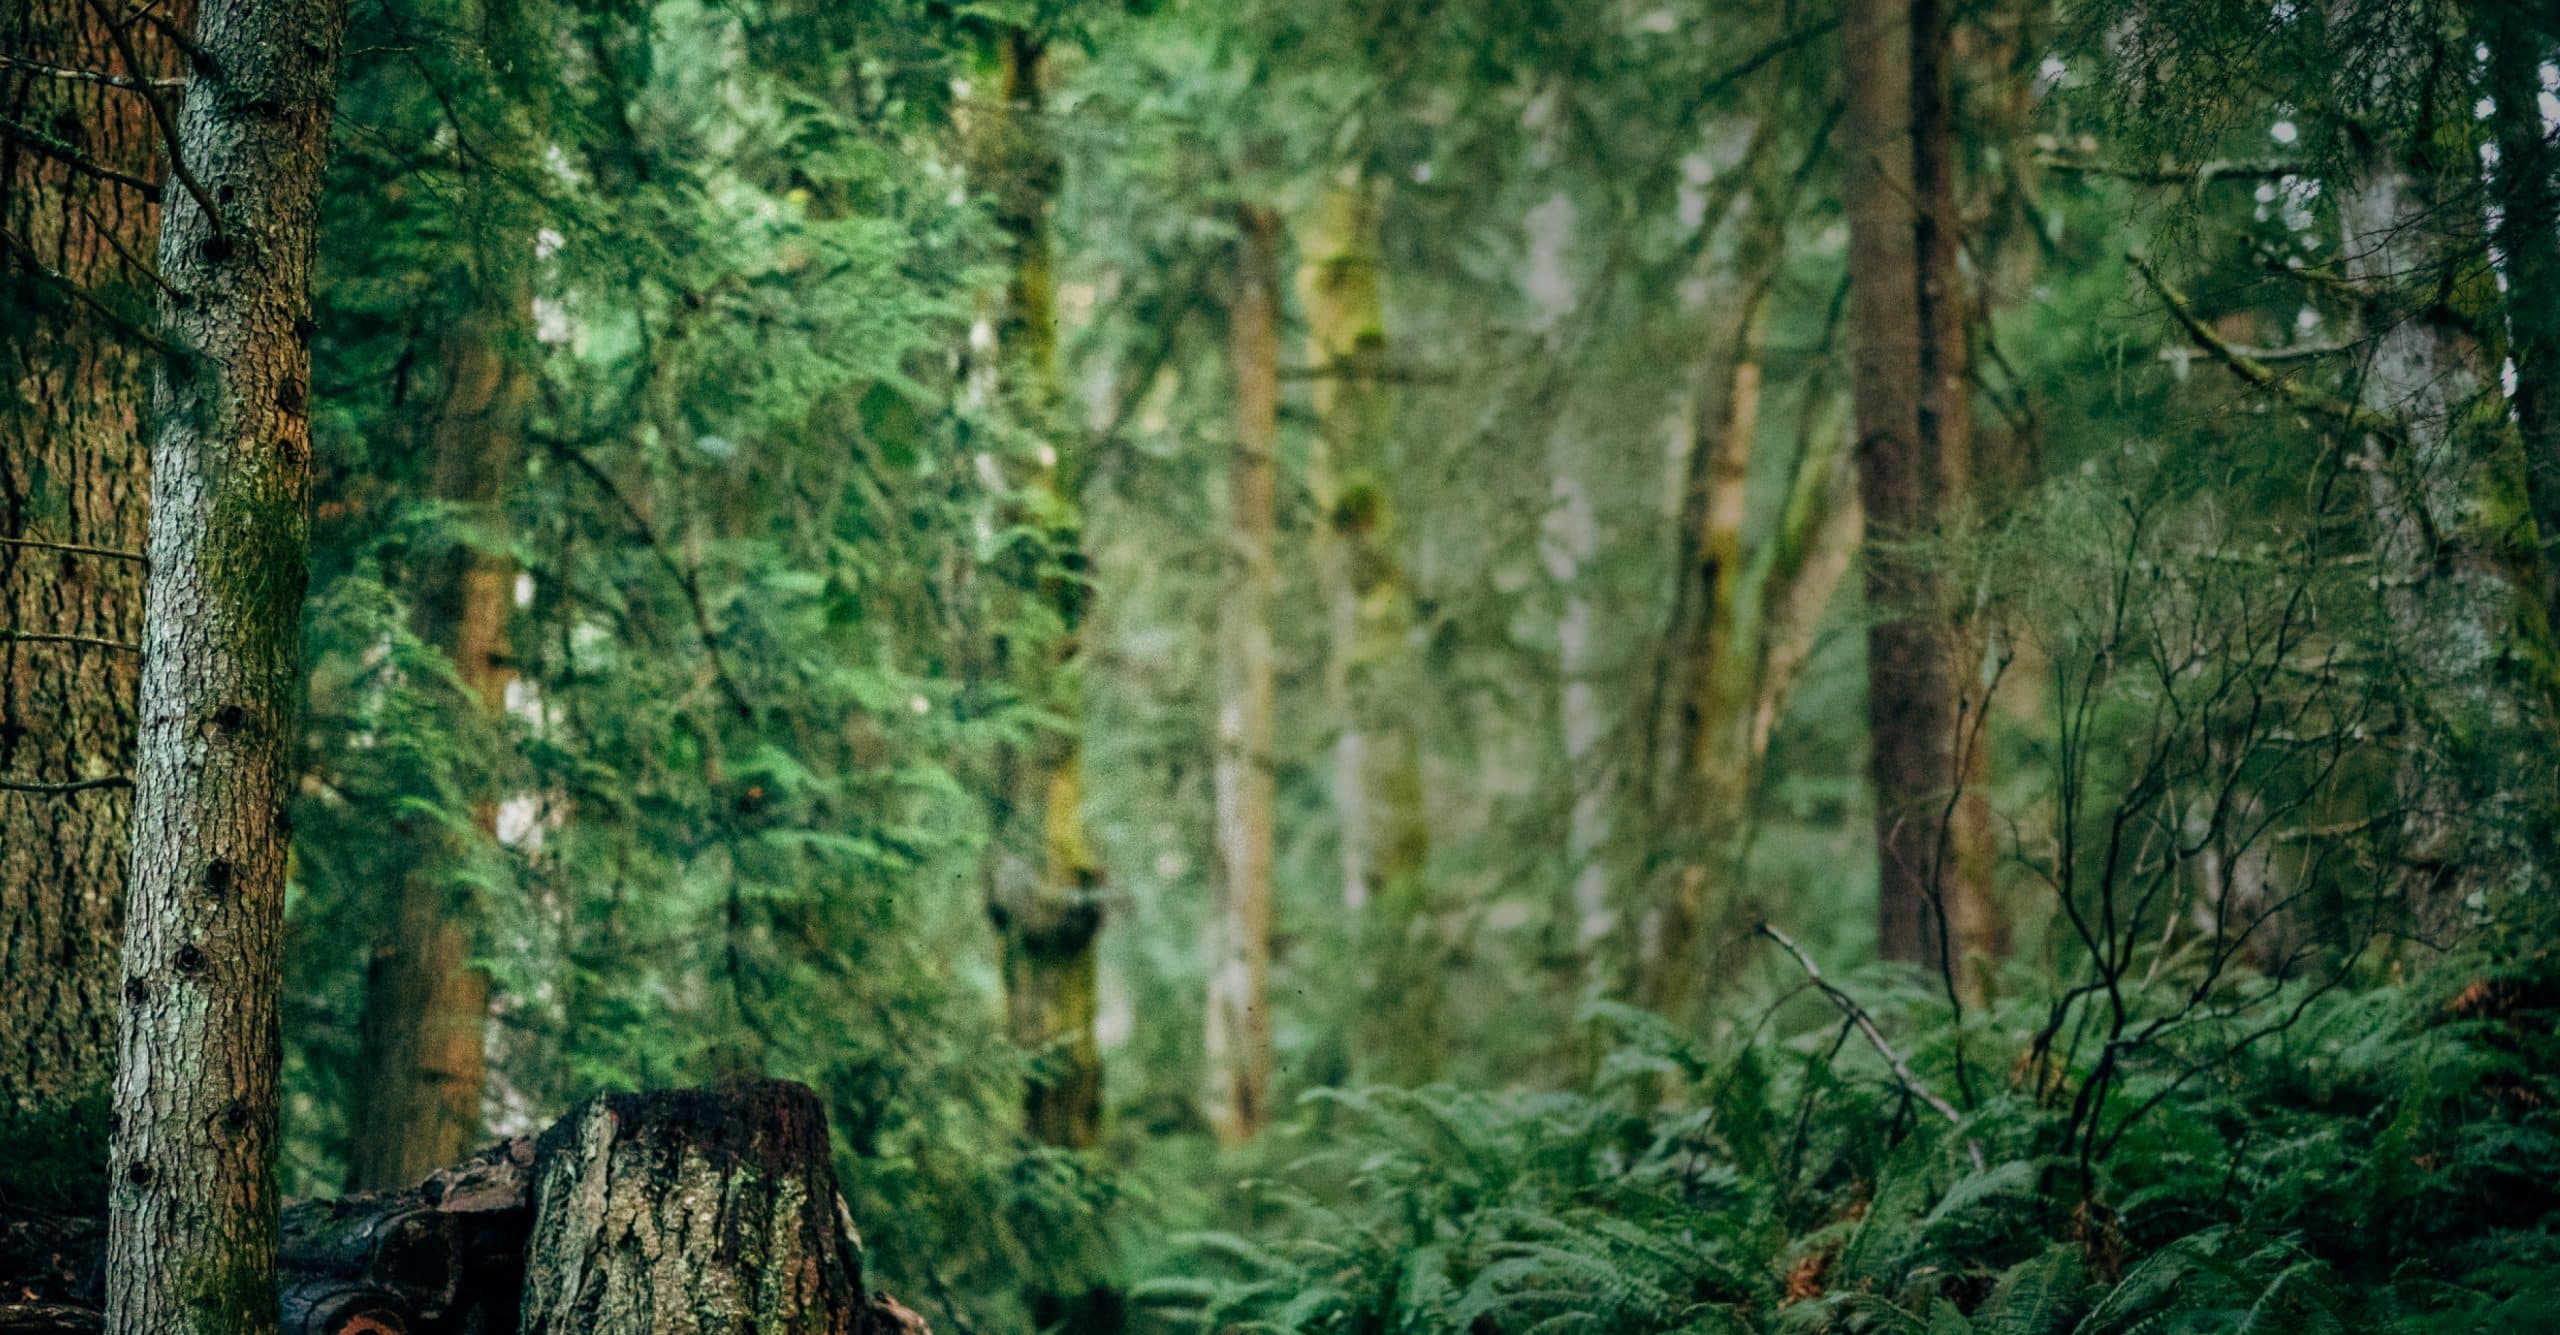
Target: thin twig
column 688, row 582
column 69, row 75
column 29, row 137
column 9, row 785
column 2171, row 174
column 1875, row 1037
column 56, row 637
column 76, row 548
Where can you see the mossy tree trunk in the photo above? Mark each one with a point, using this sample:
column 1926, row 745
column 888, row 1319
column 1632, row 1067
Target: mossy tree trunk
column 1369, row 673
column 2459, row 550
column 1238, row 1040
column 1043, row 881
column 74, row 483
column 2527, row 192
column 192, row 1211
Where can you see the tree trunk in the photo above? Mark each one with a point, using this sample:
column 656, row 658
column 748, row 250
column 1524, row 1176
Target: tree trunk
column 1568, row 545
column 193, row 1207
column 1376, row 783
column 1239, row 1019
column 691, row 1210
column 1043, row 879
column 1933, row 848
column 426, row 1012
column 73, row 490
column 2461, row 568
column 2526, row 186
column 1698, row 779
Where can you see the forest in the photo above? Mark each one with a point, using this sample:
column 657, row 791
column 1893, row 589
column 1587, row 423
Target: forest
column 1520, row 667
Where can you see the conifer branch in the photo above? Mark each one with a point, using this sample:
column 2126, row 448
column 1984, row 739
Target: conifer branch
column 27, row 136
column 2257, row 373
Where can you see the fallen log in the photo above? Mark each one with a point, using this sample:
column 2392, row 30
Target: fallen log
column 446, row 1255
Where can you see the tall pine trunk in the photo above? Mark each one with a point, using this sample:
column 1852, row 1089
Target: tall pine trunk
column 192, row 1211
column 426, row 1008
column 1933, row 848
column 74, row 487
column 1239, row 1017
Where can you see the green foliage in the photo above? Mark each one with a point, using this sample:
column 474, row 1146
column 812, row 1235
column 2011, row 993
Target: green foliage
column 2330, row 1178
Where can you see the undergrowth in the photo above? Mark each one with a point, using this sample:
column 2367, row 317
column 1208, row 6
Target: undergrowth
column 2372, row 1158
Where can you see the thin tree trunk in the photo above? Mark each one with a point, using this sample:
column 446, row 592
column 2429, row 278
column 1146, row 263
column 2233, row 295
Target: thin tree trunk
column 2526, row 186
column 1044, row 881
column 1932, row 829
column 72, row 472
column 1376, row 783
column 1239, row 1018
column 426, row 1012
column 192, row 1213
column 1569, row 545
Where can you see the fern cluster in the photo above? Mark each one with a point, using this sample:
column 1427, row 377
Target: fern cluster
column 2383, row 1163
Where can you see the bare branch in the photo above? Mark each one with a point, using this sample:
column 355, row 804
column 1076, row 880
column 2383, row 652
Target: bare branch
column 160, row 113
column 9, row 785
column 36, row 266
column 75, row 548
column 1875, row 1038
column 43, row 70
column 28, row 136
column 2258, row 373
column 53, row 637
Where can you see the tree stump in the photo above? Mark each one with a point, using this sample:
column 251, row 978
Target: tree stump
column 691, row 1210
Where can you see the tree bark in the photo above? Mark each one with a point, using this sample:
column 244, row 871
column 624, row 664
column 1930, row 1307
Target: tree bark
column 1239, row 1020
column 73, row 472
column 426, row 1012
column 691, row 1210
column 192, row 1210
column 1933, row 846
column 2461, row 567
